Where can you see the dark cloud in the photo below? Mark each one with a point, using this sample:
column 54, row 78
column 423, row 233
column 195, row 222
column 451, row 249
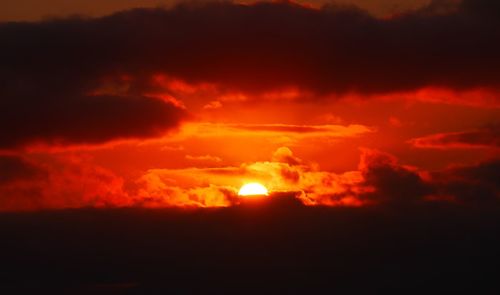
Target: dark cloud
column 85, row 80
column 56, row 88
column 486, row 172
column 390, row 181
column 75, row 119
column 14, row 168
column 475, row 183
column 478, row 138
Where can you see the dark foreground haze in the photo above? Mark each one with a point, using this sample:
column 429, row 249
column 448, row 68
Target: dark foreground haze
column 275, row 247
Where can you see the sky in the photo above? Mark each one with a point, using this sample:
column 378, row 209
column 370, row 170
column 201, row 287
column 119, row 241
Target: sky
column 128, row 129
column 152, row 104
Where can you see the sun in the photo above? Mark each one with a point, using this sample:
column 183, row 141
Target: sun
column 253, row 189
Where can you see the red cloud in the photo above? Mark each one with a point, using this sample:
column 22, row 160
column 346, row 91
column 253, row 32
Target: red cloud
column 68, row 182
column 15, row 169
column 476, row 138
column 76, row 182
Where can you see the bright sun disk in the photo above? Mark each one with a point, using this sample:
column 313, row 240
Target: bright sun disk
column 253, row 189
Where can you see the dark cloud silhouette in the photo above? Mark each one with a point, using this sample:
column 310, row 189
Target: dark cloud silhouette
column 390, row 181
column 85, row 80
column 15, row 168
column 52, row 89
column 474, row 184
column 75, row 119
column 486, row 172
column 488, row 137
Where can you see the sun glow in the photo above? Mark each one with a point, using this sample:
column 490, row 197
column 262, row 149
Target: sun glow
column 253, row 189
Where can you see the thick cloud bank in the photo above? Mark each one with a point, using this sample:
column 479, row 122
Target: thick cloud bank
column 88, row 80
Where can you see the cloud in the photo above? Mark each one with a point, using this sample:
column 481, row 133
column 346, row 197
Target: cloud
column 154, row 192
column 274, row 131
column 390, row 181
column 208, row 158
column 285, row 155
column 62, row 182
column 385, row 181
column 215, row 104
column 87, row 80
column 470, row 184
column 488, row 137
column 15, row 168
column 286, row 174
column 380, row 179
column 476, row 97
column 330, row 130
column 75, row 182
column 71, row 118
column 63, row 94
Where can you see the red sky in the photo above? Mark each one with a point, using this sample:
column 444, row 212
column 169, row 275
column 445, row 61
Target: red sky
column 180, row 106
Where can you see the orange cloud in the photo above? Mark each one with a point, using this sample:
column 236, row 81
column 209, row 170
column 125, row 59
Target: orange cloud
column 155, row 191
column 215, row 104
column 286, row 173
column 208, row 158
column 271, row 130
column 74, row 182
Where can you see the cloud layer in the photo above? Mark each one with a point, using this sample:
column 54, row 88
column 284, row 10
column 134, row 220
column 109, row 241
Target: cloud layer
column 88, row 80
column 82, row 81
column 75, row 182
column 488, row 137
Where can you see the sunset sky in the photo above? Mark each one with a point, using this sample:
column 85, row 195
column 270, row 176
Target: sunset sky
column 249, row 147
column 157, row 104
